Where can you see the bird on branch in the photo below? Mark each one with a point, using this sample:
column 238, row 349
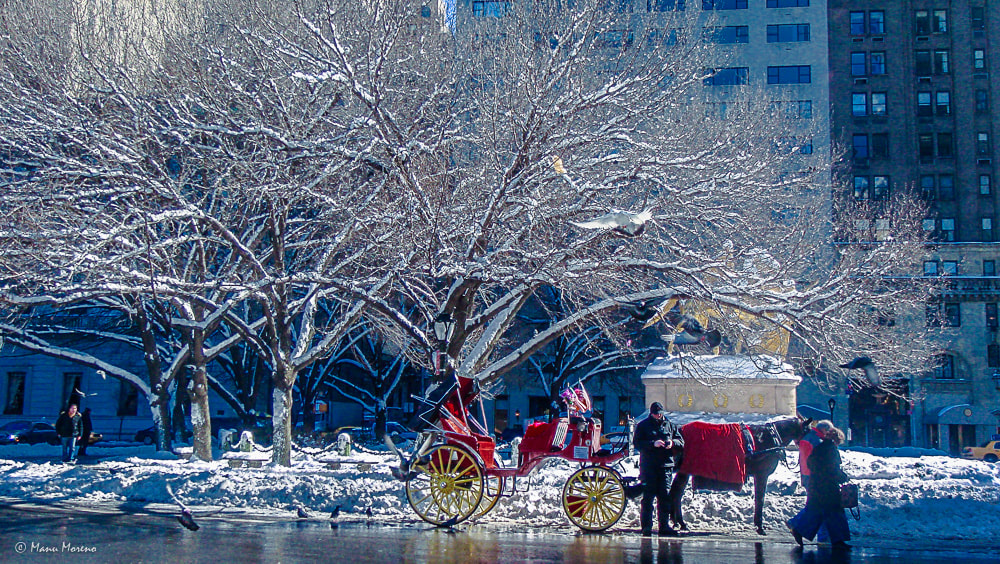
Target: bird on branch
column 622, row 223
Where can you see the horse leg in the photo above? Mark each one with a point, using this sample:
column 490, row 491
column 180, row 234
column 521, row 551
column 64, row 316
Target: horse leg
column 676, row 494
column 759, row 487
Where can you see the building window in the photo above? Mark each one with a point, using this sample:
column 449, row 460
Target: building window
column 993, row 355
column 941, row 62
column 880, row 145
column 922, row 20
column 989, row 268
column 723, row 4
column 728, row 34
column 859, row 104
column 945, row 145
column 490, row 8
column 624, row 410
column 982, row 102
column 979, row 59
column 939, row 21
column 978, row 18
column 984, row 185
column 946, row 187
column 948, row 229
column 991, row 315
column 924, row 107
column 952, row 315
column 878, row 62
column 942, row 103
column 923, row 63
column 794, row 74
column 71, row 385
column 128, row 399
column 982, row 144
column 860, row 144
column 949, row 268
column 861, row 188
column 928, row 224
column 880, row 185
column 930, row 268
column 858, row 64
column 14, row 404
column 787, row 3
column 787, row 33
column 876, row 22
column 857, row 23
column 987, row 223
column 728, row 76
column 944, row 367
column 664, row 5
column 879, row 106
column 928, row 187
column 925, row 141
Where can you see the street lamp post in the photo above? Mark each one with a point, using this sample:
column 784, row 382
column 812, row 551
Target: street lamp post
column 444, row 326
column 832, row 404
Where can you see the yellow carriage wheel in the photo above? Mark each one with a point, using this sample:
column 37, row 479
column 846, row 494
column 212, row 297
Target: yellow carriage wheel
column 492, row 492
column 449, row 485
column 594, row 498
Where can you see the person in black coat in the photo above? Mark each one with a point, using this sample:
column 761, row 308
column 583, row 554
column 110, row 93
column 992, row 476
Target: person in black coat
column 657, row 440
column 823, row 494
column 88, row 428
column 69, row 427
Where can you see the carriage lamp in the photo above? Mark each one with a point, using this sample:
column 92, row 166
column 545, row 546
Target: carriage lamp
column 444, row 325
column 517, row 416
column 832, row 404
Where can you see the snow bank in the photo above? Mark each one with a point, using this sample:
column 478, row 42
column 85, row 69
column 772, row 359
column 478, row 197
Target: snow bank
column 930, row 499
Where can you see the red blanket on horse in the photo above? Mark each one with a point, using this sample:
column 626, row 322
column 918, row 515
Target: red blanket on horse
column 716, row 452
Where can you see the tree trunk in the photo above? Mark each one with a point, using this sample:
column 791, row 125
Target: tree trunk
column 281, row 421
column 201, row 416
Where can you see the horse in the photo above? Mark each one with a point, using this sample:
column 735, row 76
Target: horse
column 771, row 439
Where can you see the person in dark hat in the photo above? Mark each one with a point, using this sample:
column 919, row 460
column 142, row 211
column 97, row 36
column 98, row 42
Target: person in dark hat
column 657, row 440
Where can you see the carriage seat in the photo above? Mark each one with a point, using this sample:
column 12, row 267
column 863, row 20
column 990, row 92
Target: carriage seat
column 545, row 437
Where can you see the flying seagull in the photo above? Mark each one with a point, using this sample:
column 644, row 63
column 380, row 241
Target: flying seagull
column 866, row 364
column 623, row 223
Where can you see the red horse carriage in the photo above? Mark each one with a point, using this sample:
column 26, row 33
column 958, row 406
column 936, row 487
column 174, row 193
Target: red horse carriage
column 455, row 473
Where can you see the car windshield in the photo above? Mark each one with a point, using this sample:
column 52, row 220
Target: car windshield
column 15, row 426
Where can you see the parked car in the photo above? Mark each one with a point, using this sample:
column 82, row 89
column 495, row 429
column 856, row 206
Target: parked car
column 146, row 436
column 394, row 429
column 8, row 433
column 990, row 452
column 37, row 433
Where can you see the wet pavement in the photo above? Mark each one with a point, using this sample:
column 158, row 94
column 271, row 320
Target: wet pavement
column 30, row 533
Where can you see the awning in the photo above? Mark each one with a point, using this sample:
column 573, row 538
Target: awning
column 960, row 414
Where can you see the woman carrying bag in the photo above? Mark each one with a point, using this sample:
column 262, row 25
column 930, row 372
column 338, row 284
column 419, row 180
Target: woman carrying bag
column 823, row 499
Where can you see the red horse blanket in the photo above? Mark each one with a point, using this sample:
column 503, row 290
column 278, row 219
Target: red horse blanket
column 715, row 452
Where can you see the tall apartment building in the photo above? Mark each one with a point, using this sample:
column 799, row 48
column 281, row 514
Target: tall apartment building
column 914, row 101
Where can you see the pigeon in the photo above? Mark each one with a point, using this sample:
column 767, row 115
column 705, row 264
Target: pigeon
column 186, row 519
column 642, row 311
column 335, row 513
column 368, row 512
column 450, row 523
column 866, row 364
column 301, row 512
column 623, row 223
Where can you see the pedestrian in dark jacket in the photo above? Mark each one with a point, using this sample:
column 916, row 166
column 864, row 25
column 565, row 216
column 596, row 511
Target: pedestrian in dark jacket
column 69, row 426
column 823, row 494
column 657, row 440
column 88, row 428
column 807, row 443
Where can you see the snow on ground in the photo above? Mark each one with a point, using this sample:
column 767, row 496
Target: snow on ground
column 920, row 498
